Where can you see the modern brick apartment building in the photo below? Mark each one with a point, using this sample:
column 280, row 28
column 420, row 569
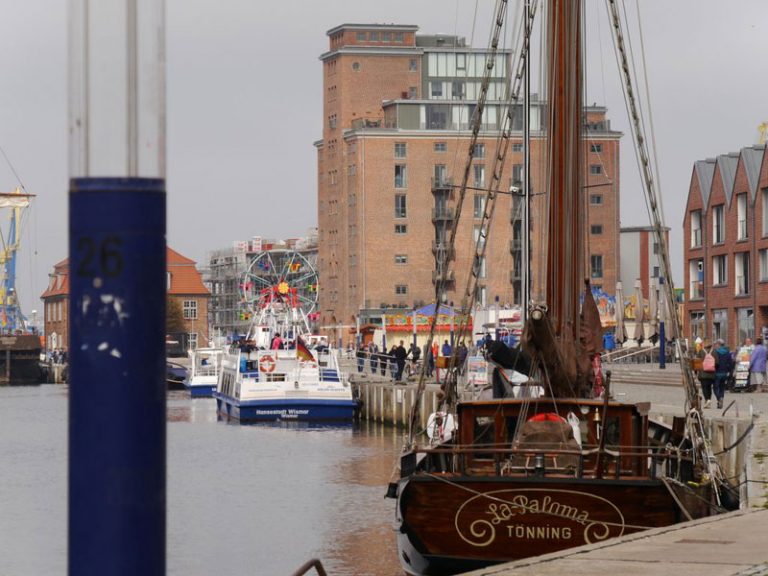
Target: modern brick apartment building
column 185, row 285
column 396, row 114
column 726, row 247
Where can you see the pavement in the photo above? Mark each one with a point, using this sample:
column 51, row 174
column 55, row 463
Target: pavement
column 729, row 545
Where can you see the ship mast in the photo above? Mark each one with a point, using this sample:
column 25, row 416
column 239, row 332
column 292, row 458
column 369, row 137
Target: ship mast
column 553, row 330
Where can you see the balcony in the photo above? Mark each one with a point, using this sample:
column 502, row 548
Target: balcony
column 449, row 276
column 441, row 248
column 442, row 184
column 442, row 214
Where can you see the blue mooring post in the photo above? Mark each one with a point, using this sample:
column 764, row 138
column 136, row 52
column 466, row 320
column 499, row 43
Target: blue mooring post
column 118, row 283
column 117, row 437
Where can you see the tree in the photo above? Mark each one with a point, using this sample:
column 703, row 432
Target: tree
column 174, row 316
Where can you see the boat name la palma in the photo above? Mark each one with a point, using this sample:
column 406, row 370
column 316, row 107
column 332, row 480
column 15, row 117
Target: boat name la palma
column 482, row 532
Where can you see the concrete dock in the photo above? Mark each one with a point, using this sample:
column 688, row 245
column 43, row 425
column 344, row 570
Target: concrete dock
column 728, row 545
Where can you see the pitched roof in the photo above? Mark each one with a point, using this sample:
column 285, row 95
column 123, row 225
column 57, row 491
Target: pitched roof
column 705, row 170
column 728, row 164
column 184, row 277
column 753, row 158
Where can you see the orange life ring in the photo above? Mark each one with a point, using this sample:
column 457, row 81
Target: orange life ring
column 267, row 363
column 547, row 417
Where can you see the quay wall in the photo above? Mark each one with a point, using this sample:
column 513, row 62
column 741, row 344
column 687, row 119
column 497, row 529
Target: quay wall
column 391, row 403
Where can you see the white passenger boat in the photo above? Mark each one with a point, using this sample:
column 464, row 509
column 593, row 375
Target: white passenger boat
column 262, row 379
column 204, row 367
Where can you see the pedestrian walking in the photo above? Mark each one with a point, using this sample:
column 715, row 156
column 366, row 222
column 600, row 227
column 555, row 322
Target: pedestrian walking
column 723, row 369
column 360, row 358
column 400, row 355
column 757, row 362
column 707, row 373
column 373, row 354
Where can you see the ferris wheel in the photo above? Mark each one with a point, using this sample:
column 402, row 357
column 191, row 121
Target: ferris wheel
column 280, row 279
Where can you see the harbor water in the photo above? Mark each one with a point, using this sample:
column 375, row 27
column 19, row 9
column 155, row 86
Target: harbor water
column 257, row 500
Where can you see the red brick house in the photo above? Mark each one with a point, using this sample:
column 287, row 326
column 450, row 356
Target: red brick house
column 185, row 285
column 726, row 247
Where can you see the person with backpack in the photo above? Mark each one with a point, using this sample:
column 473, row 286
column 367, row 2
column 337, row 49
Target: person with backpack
column 723, row 369
column 707, row 372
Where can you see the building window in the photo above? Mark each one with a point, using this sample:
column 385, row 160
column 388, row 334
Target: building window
column 479, row 151
column 412, row 92
column 401, row 259
column 478, row 171
column 696, row 275
column 517, row 147
column 356, row 66
column 437, row 89
column 461, row 61
column 697, row 325
column 192, row 340
column 374, row 36
column 400, row 207
column 596, row 265
column 401, row 289
column 596, row 229
column 401, row 228
column 595, row 169
column 720, row 324
column 741, row 210
column 765, row 211
column 478, row 238
column 719, row 270
column 718, row 224
column 696, row 229
column 517, row 174
column 457, row 90
column 413, row 65
column 763, row 265
column 401, row 180
column 399, row 36
column 741, row 263
column 361, row 36
column 441, row 175
column 745, row 319
column 190, row 309
column 479, row 205
column 480, row 268
column 440, row 146
column 400, row 149
column 596, row 199
column 596, row 148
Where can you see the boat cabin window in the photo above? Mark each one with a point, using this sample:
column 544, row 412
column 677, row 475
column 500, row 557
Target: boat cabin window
column 274, row 377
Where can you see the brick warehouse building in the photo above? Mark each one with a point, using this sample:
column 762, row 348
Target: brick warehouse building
column 185, row 285
column 396, row 113
column 726, row 247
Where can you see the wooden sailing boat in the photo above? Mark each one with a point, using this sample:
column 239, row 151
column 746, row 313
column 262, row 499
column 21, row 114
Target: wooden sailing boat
column 538, row 473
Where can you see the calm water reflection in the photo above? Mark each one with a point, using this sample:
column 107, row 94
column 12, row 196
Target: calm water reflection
column 255, row 500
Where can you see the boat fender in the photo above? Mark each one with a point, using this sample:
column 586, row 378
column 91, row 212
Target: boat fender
column 547, row 417
column 267, row 363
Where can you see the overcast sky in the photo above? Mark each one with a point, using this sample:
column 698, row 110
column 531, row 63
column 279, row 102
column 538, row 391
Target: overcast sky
column 244, row 107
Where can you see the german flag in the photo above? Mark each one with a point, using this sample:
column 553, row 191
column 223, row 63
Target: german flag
column 302, row 352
